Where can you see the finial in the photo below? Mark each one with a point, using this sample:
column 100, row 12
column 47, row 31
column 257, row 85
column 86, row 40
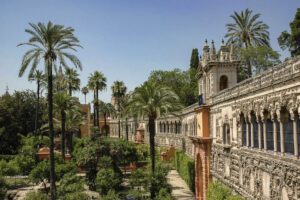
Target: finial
column 7, row 88
column 205, row 41
column 222, row 41
column 212, row 42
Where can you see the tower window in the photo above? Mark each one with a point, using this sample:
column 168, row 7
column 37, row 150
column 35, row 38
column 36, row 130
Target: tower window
column 223, row 82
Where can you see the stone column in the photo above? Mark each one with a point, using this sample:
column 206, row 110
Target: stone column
column 282, row 147
column 252, row 132
column 274, row 133
column 247, row 133
column 259, row 131
column 294, row 118
column 265, row 132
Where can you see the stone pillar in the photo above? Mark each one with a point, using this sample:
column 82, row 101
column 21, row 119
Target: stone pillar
column 265, row 133
column 259, row 133
column 252, row 131
column 247, row 133
column 294, row 118
column 282, row 147
column 274, row 133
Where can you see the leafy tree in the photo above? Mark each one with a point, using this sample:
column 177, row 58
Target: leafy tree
column 151, row 101
column 118, row 92
column 107, row 180
column 84, row 91
column 247, row 31
column 86, row 155
column 98, row 81
column 17, row 118
column 194, row 59
column 260, row 58
column 50, row 43
column 291, row 41
column 39, row 78
column 183, row 83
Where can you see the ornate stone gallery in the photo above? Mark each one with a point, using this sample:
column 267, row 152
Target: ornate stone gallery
column 246, row 135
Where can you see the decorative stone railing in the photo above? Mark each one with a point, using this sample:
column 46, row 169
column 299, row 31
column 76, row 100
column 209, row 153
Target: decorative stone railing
column 280, row 73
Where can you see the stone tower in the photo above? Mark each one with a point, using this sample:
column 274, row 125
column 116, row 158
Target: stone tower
column 216, row 71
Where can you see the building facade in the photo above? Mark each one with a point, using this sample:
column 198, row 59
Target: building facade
column 247, row 134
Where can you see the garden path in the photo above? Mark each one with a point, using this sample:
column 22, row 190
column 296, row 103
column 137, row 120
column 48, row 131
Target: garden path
column 180, row 190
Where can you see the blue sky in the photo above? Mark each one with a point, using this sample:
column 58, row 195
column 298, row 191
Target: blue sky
column 127, row 39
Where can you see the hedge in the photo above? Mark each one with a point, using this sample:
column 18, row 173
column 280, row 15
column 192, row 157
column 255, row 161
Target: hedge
column 218, row 191
column 186, row 168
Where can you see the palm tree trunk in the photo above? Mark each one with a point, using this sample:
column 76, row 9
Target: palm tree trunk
column 37, row 108
column 94, row 107
column 70, row 90
column 126, row 128
column 248, row 63
column 84, row 98
column 105, row 128
column 63, row 134
column 152, row 151
column 97, row 107
column 51, row 131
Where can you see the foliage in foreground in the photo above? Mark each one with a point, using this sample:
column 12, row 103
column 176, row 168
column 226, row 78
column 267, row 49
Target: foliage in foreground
column 186, row 168
column 218, row 191
column 3, row 187
column 36, row 195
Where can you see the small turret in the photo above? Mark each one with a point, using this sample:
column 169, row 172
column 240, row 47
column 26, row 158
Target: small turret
column 213, row 55
column 224, row 52
column 205, row 53
column 232, row 55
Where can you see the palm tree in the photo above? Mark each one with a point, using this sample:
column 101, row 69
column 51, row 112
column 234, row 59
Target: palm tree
column 118, row 91
column 151, row 101
column 63, row 102
column 91, row 86
column 72, row 79
column 50, row 42
column 247, row 31
column 84, row 91
column 98, row 80
column 107, row 109
column 39, row 78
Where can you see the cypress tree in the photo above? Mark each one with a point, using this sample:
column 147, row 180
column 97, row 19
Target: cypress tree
column 194, row 59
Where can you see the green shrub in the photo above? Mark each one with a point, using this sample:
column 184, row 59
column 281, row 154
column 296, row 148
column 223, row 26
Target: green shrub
column 8, row 168
column 70, row 184
column 235, row 197
column 138, row 178
column 111, row 195
column 159, row 180
column 107, row 180
column 76, row 196
column 3, row 188
column 218, row 191
column 164, row 194
column 36, row 195
column 186, row 168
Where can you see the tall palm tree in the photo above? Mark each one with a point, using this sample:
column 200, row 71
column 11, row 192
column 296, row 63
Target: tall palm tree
column 84, row 91
column 151, row 101
column 118, row 91
column 98, row 80
column 107, row 109
column 39, row 78
column 72, row 79
column 50, row 42
column 247, row 31
column 91, row 86
column 62, row 103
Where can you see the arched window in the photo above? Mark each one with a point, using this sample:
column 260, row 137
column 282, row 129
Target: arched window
column 226, row 134
column 223, row 82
